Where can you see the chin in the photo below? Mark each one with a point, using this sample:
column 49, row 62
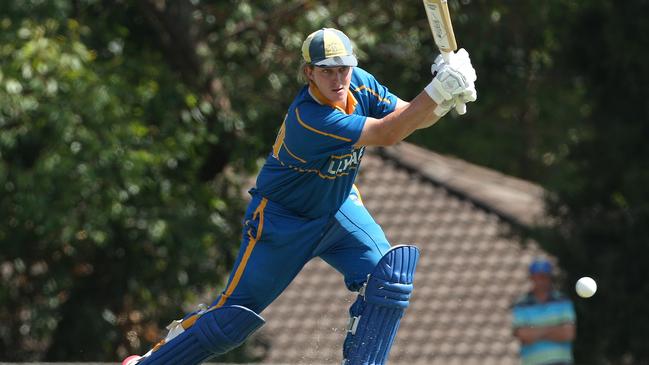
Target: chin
column 341, row 96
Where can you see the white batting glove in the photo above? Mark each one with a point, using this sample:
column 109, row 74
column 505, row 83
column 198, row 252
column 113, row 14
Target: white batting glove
column 444, row 107
column 468, row 96
column 447, row 83
column 437, row 64
column 458, row 102
column 461, row 62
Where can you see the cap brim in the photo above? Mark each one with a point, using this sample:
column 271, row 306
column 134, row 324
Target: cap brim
column 337, row 61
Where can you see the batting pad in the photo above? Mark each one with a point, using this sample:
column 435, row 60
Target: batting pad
column 377, row 312
column 215, row 332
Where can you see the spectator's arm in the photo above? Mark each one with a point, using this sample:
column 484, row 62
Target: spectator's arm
column 559, row 333
column 528, row 335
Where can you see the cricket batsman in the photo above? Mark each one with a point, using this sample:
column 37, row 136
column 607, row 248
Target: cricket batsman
column 304, row 204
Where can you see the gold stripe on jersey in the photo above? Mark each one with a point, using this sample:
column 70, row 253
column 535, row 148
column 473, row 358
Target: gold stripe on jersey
column 279, row 140
column 293, row 155
column 279, row 143
column 363, row 87
column 303, row 124
column 341, row 156
column 316, row 171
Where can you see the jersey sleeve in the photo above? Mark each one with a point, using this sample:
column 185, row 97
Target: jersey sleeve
column 380, row 100
column 314, row 131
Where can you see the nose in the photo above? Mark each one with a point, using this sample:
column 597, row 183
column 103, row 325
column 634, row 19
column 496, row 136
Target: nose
column 340, row 77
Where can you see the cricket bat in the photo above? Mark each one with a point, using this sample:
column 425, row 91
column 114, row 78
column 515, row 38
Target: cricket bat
column 439, row 20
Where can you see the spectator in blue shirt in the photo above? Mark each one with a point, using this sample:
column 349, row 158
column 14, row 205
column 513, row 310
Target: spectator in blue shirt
column 544, row 320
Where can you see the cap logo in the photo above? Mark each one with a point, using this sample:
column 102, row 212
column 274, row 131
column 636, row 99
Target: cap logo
column 333, row 44
column 333, row 48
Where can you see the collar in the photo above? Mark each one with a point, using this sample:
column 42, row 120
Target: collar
column 321, row 99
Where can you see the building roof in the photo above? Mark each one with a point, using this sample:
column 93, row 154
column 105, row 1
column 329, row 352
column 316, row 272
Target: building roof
column 463, row 218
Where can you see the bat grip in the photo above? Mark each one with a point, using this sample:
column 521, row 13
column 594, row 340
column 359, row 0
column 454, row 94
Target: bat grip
column 446, row 56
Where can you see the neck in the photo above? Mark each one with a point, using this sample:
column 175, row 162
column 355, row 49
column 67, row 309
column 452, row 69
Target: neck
column 347, row 106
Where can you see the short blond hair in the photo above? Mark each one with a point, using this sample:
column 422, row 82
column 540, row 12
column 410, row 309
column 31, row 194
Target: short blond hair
column 301, row 73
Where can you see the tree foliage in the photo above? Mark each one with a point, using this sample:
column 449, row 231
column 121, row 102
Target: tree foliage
column 601, row 201
column 127, row 130
column 108, row 222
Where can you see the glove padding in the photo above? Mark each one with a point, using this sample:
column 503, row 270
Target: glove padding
column 459, row 60
column 453, row 84
column 458, row 102
column 447, row 83
column 444, row 107
column 469, row 95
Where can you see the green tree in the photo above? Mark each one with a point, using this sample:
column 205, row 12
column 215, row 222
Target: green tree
column 108, row 220
column 601, row 203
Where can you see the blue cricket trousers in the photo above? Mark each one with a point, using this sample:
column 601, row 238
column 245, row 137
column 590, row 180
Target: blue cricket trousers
column 276, row 245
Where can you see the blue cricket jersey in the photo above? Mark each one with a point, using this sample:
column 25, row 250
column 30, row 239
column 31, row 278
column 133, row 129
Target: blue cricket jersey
column 527, row 312
column 314, row 163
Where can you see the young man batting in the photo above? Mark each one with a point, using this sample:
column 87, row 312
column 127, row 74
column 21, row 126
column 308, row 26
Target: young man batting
column 305, row 204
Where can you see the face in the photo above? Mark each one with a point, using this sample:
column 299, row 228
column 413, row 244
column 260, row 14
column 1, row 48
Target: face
column 541, row 282
column 333, row 82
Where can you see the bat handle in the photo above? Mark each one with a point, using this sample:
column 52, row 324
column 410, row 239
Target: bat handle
column 446, row 56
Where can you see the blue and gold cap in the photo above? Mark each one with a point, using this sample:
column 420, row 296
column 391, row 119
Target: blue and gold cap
column 328, row 47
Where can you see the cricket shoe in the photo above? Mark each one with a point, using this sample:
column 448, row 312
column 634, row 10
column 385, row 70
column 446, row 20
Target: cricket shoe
column 131, row 360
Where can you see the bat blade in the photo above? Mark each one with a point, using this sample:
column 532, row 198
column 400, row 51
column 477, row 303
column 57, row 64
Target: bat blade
column 439, row 20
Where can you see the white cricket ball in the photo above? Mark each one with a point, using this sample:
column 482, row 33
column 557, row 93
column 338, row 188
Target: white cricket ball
column 586, row 287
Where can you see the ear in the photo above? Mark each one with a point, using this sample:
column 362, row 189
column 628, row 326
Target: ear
column 308, row 71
